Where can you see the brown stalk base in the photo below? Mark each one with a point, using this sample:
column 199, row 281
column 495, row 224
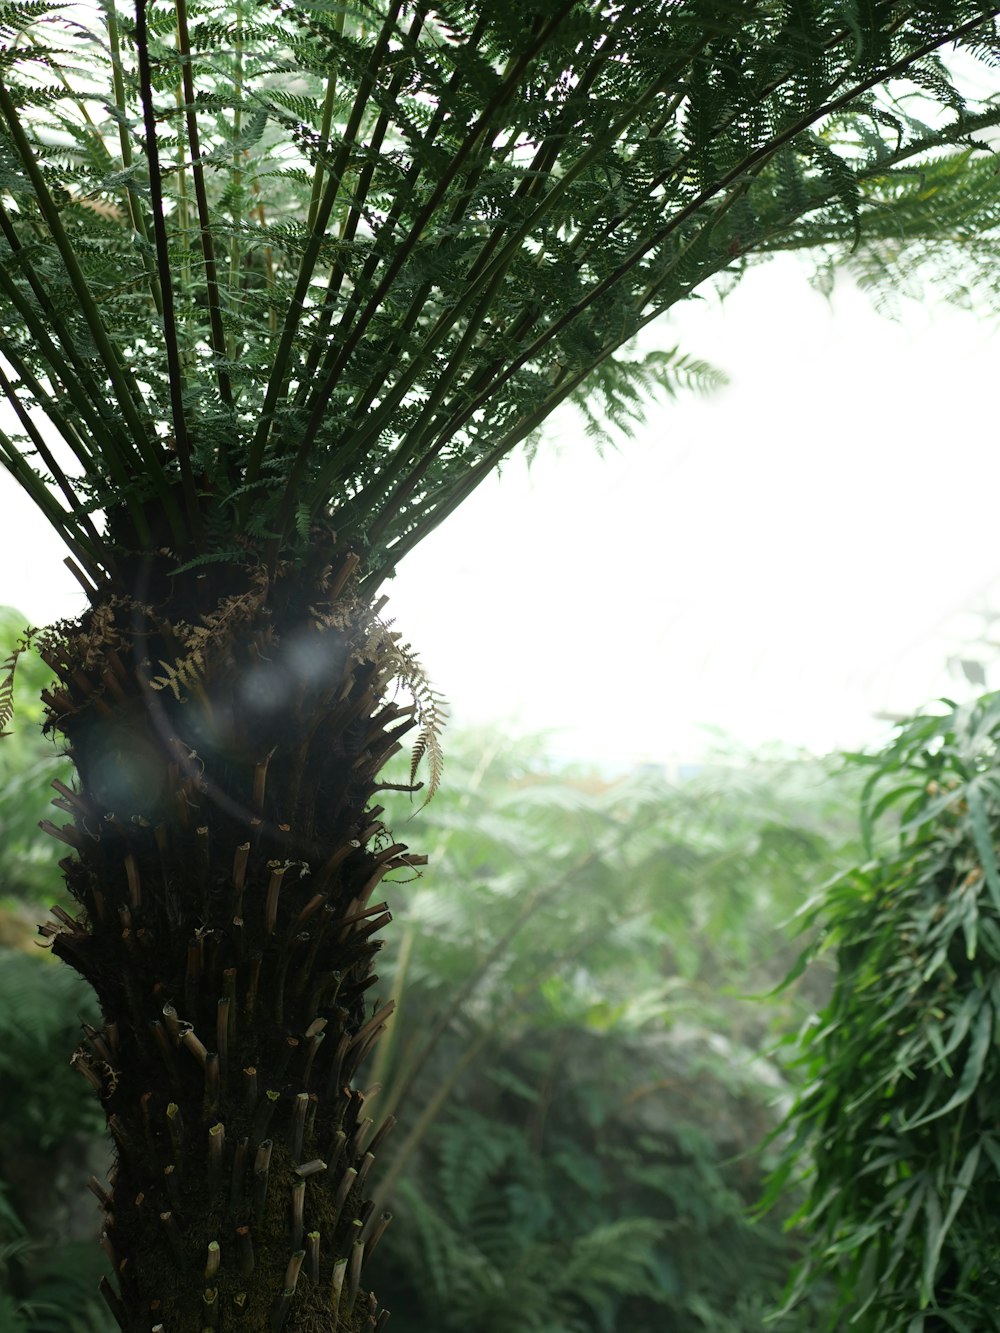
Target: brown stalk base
column 227, row 861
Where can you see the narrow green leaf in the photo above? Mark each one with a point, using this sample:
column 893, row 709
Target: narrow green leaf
column 992, row 1149
column 920, row 1186
column 938, row 1227
column 979, row 1046
column 989, row 932
column 969, row 916
column 984, row 841
column 932, row 1246
column 962, row 1021
column 929, row 812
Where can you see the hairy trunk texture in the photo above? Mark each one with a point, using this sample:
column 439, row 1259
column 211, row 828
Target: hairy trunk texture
column 227, row 729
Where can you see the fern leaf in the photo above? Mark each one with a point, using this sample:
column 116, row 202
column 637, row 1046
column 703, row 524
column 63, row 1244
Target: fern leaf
column 398, row 661
column 9, row 668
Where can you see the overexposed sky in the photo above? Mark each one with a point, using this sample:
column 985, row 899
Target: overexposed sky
column 782, row 560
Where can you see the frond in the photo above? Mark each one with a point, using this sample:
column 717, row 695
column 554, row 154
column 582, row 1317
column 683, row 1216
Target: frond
column 498, row 1253
column 615, row 397
column 266, row 268
column 7, row 683
column 398, row 661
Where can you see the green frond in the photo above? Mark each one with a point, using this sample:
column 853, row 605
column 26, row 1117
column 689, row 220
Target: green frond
column 45, row 1288
column 615, row 396
column 261, row 267
column 39, row 1027
column 7, row 683
column 497, row 1257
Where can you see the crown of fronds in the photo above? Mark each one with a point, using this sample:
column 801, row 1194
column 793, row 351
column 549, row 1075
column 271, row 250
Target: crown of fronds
column 263, row 264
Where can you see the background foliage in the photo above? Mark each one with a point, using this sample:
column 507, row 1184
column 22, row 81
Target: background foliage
column 28, row 763
column 603, row 1071
column 587, row 1078
column 899, row 1074
column 588, row 1084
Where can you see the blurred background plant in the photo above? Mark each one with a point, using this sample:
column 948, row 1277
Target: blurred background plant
column 576, row 1036
column 28, row 763
column 51, row 1128
column 574, row 982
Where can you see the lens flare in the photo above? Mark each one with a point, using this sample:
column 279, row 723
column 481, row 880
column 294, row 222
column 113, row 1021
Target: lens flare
column 126, row 773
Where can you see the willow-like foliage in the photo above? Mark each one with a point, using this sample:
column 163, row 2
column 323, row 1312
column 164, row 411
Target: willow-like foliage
column 267, row 263
column 894, row 1128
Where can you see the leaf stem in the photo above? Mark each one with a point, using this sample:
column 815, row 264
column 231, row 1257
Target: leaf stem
column 217, row 336
column 182, row 442
column 136, row 214
column 87, row 304
column 280, row 365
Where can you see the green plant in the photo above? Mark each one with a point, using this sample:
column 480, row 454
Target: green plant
column 45, row 1287
column 895, row 1123
column 279, row 286
column 565, row 1141
column 488, row 1246
column 41, row 1009
column 624, row 1087
column 312, row 293
column 28, row 765
column 571, row 1067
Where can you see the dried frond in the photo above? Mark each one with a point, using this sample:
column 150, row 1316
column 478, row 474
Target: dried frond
column 183, row 675
column 230, row 615
column 215, row 633
column 339, row 615
column 89, row 641
column 397, row 660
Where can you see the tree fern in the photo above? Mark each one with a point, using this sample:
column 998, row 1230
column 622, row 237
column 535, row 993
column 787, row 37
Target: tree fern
column 278, row 288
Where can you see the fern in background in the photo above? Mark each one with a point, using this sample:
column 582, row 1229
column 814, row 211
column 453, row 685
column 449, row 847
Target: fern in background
column 593, row 1160
column 43, row 1008
column 498, row 1251
column 28, row 765
column 48, row 1283
column 574, row 1065
column 45, row 1288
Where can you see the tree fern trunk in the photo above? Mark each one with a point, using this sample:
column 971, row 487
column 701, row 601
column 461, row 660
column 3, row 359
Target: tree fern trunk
column 227, row 728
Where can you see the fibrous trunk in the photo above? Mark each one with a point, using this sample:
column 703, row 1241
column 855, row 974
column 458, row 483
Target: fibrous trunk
column 227, row 730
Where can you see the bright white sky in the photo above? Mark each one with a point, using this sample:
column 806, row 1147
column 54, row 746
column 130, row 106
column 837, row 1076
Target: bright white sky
column 780, row 561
